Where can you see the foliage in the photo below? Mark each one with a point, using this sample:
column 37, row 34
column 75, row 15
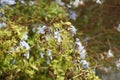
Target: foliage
column 37, row 43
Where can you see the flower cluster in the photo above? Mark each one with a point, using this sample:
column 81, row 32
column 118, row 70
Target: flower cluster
column 30, row 3
column 7, row 2
column 25, row 45
column 72, row 14
column 82, row 53
column 45, row 30
column 2, row 20
column 48, row 54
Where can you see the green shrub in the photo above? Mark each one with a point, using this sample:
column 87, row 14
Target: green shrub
column 37, row 43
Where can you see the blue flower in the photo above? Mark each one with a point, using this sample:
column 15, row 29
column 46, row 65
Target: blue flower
column 22, row 2
column 42, row 55
column 79, row 45
column 118, row 64
column 86, row 39
column 72, row 15
column 51, row 57
column 7, row 2
column 98, row 2
column 2, row 3
column 47, row 37
column 84, row 63
column 2, row 24
column 80, row 48
column 41, row 29
column 33, row 29
column 31, row 3
column 57, row 36
column 76, row 3
column 83, row 54
column 11, row 2
column 72, row 30
column 49, row 54
column 110, row 54
column 25, row 37
column 24, row 45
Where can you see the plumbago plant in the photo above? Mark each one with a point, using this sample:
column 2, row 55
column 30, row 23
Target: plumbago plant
column 37, row 42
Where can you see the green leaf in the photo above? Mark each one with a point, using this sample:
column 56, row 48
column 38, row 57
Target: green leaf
column 34, row 67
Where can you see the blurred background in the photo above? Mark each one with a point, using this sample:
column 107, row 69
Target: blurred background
column 98, row 25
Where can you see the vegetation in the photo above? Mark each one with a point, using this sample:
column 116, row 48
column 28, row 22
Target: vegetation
column 37, row 42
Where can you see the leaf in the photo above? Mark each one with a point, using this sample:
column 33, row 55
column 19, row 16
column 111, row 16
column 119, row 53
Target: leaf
column 30, row 72
column 66, row 23
column 34, row 67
